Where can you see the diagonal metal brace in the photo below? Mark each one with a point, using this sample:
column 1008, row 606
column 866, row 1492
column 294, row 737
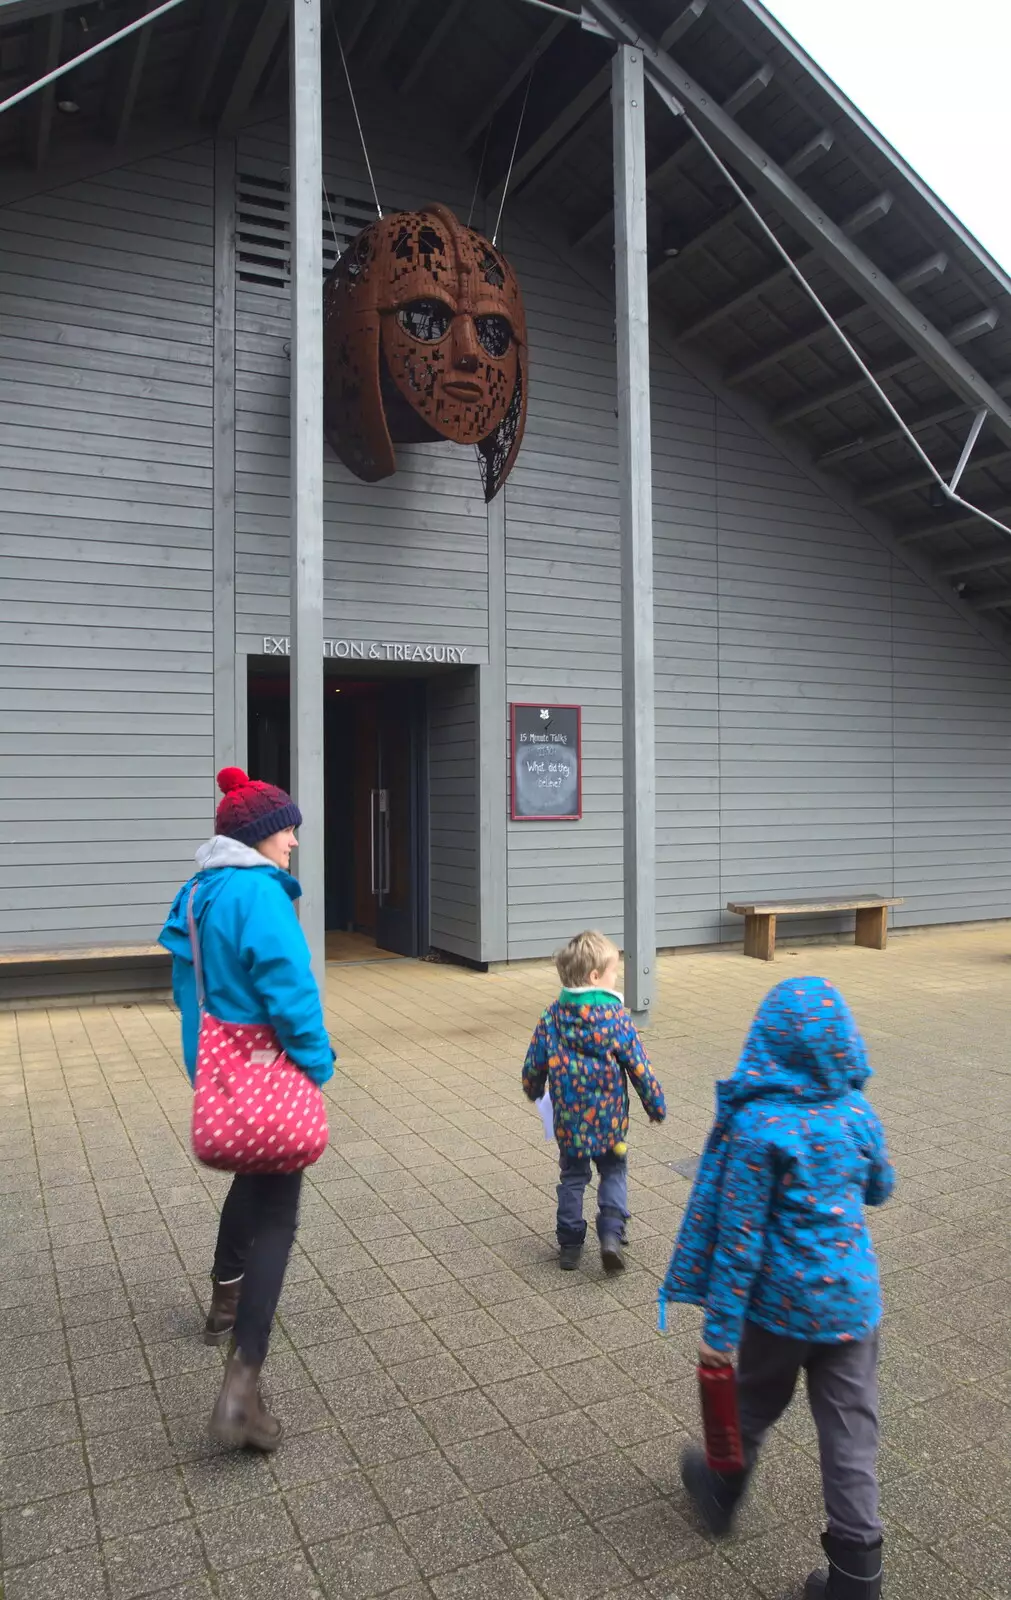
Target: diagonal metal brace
column 970, row 445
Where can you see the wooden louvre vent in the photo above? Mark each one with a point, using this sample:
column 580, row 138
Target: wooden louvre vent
column 263, row 225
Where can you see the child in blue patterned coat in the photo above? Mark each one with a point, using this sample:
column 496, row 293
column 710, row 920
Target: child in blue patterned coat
column 586, row 1049
column 774, row 1245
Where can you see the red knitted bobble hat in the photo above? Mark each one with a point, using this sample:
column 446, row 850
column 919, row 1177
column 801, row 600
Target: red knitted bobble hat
column 251, row 811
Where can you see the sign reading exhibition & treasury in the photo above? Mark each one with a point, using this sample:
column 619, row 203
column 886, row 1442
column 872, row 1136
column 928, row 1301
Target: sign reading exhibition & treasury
column 444, row 655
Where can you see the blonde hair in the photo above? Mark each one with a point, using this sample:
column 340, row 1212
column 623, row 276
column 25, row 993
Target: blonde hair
column 587, row 953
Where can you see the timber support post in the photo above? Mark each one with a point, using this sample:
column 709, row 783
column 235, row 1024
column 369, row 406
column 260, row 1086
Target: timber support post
column 636, row 491
column 306, row 158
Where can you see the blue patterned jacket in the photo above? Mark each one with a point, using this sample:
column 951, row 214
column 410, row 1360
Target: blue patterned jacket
column 774, row 1230
column 587, row 1049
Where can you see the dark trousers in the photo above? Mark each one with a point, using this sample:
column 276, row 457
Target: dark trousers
column 842, row 1391
column 612, row 1196
column 255, row 1236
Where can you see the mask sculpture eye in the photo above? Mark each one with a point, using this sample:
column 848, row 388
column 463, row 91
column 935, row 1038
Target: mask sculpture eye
column 494, row 333
column 425, row 320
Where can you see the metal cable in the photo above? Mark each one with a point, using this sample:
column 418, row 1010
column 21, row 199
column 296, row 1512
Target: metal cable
column 354, row 107
column 950, row 494
column 333, row 225
column 512, row 158
column 480, row 172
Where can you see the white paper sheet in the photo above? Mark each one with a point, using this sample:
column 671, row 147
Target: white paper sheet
column 546, row 1115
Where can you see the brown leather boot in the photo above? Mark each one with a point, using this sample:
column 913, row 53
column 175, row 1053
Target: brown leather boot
column 220, row 1324
column 240, row 1418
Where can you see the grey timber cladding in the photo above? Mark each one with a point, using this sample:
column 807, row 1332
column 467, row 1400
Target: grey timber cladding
column 830, row 724
column 453, row 814
column 105, row 549
column 407, row 559
column 562, row 597
column 825, row 721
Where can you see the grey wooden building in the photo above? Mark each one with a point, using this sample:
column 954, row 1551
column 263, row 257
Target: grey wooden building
column 821, row 704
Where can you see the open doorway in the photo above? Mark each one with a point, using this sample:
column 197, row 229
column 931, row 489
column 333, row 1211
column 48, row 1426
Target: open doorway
column 374, row 799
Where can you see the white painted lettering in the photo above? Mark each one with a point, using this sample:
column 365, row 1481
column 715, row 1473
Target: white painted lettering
column 373, row 650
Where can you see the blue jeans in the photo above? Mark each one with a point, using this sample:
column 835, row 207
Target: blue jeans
column 612, row 1196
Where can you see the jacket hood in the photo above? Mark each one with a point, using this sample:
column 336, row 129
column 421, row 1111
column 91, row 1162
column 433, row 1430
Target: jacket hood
column 583, row 1021
column 217, row 861
column 222, row 851
column 804, row 1045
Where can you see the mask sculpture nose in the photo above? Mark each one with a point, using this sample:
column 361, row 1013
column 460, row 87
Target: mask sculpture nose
column 466, row 357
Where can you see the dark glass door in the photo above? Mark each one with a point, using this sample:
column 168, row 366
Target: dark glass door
column 394, row 820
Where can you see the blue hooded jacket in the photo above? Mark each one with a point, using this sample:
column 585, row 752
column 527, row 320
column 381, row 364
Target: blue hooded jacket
column 774, row 1230
column 255, row 959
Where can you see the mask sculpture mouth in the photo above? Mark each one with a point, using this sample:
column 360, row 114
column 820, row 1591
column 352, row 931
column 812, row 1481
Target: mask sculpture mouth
column 459, row 389
column 424, row 339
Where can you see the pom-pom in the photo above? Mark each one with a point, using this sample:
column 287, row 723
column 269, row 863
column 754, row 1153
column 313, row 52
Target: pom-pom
column 230, row 778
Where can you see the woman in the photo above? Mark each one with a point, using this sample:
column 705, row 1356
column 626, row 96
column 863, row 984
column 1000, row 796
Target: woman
column 256, row 969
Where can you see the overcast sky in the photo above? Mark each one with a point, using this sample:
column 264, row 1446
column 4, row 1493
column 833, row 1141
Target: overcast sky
column 932, row 75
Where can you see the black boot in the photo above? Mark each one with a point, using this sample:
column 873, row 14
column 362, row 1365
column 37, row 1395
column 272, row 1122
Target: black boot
column 611, row 1253
column 714, row 1495
column 240, row 1418
column 220, row 1324
column 854, row 1572
column 568, row 1256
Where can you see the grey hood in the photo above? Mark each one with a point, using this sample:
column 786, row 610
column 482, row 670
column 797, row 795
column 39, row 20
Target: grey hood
column 224, row 852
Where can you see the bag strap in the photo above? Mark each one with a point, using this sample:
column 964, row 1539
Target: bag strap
column 198, row 966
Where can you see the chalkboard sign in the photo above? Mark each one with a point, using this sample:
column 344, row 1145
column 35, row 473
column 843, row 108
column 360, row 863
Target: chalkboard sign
column 547, row 781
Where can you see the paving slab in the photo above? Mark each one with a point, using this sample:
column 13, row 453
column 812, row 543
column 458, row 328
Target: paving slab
column 463, row 1421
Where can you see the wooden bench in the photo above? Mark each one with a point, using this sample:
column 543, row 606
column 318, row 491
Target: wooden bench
column 86, row 972
column 760, row 919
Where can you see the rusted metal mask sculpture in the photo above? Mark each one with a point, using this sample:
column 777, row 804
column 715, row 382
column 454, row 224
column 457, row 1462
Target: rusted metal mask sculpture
column 424, row 339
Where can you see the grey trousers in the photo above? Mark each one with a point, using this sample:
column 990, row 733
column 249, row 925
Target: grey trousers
column 842, row 1391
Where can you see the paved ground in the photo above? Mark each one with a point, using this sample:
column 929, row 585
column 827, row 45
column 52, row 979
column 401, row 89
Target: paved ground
column 464, row 1422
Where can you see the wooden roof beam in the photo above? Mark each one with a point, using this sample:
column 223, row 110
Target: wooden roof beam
column 386, row 37
column 46, row 46
column 433, row 44
column 818, row 327
column 492, row 108
column 805, row 157
column 572, row 115
column 999, row 600
column 864, row 218
column 357, row 28
column 977, row 561
column 658, row 175
column 215, row 27
column 124, row 85
column 863, row 443
column 965, row 519
column 962, row 333
column 265, row 35
column 797, row 208
column 880, row 492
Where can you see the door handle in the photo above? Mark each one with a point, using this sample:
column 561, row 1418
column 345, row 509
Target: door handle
column 384, row 841
column 373, row 875
column 379, row 845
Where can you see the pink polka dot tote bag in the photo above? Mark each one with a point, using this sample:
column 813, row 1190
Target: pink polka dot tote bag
column 253, row 1109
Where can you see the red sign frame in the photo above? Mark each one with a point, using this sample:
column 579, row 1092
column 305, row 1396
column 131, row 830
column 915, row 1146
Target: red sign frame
column 524, row 816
